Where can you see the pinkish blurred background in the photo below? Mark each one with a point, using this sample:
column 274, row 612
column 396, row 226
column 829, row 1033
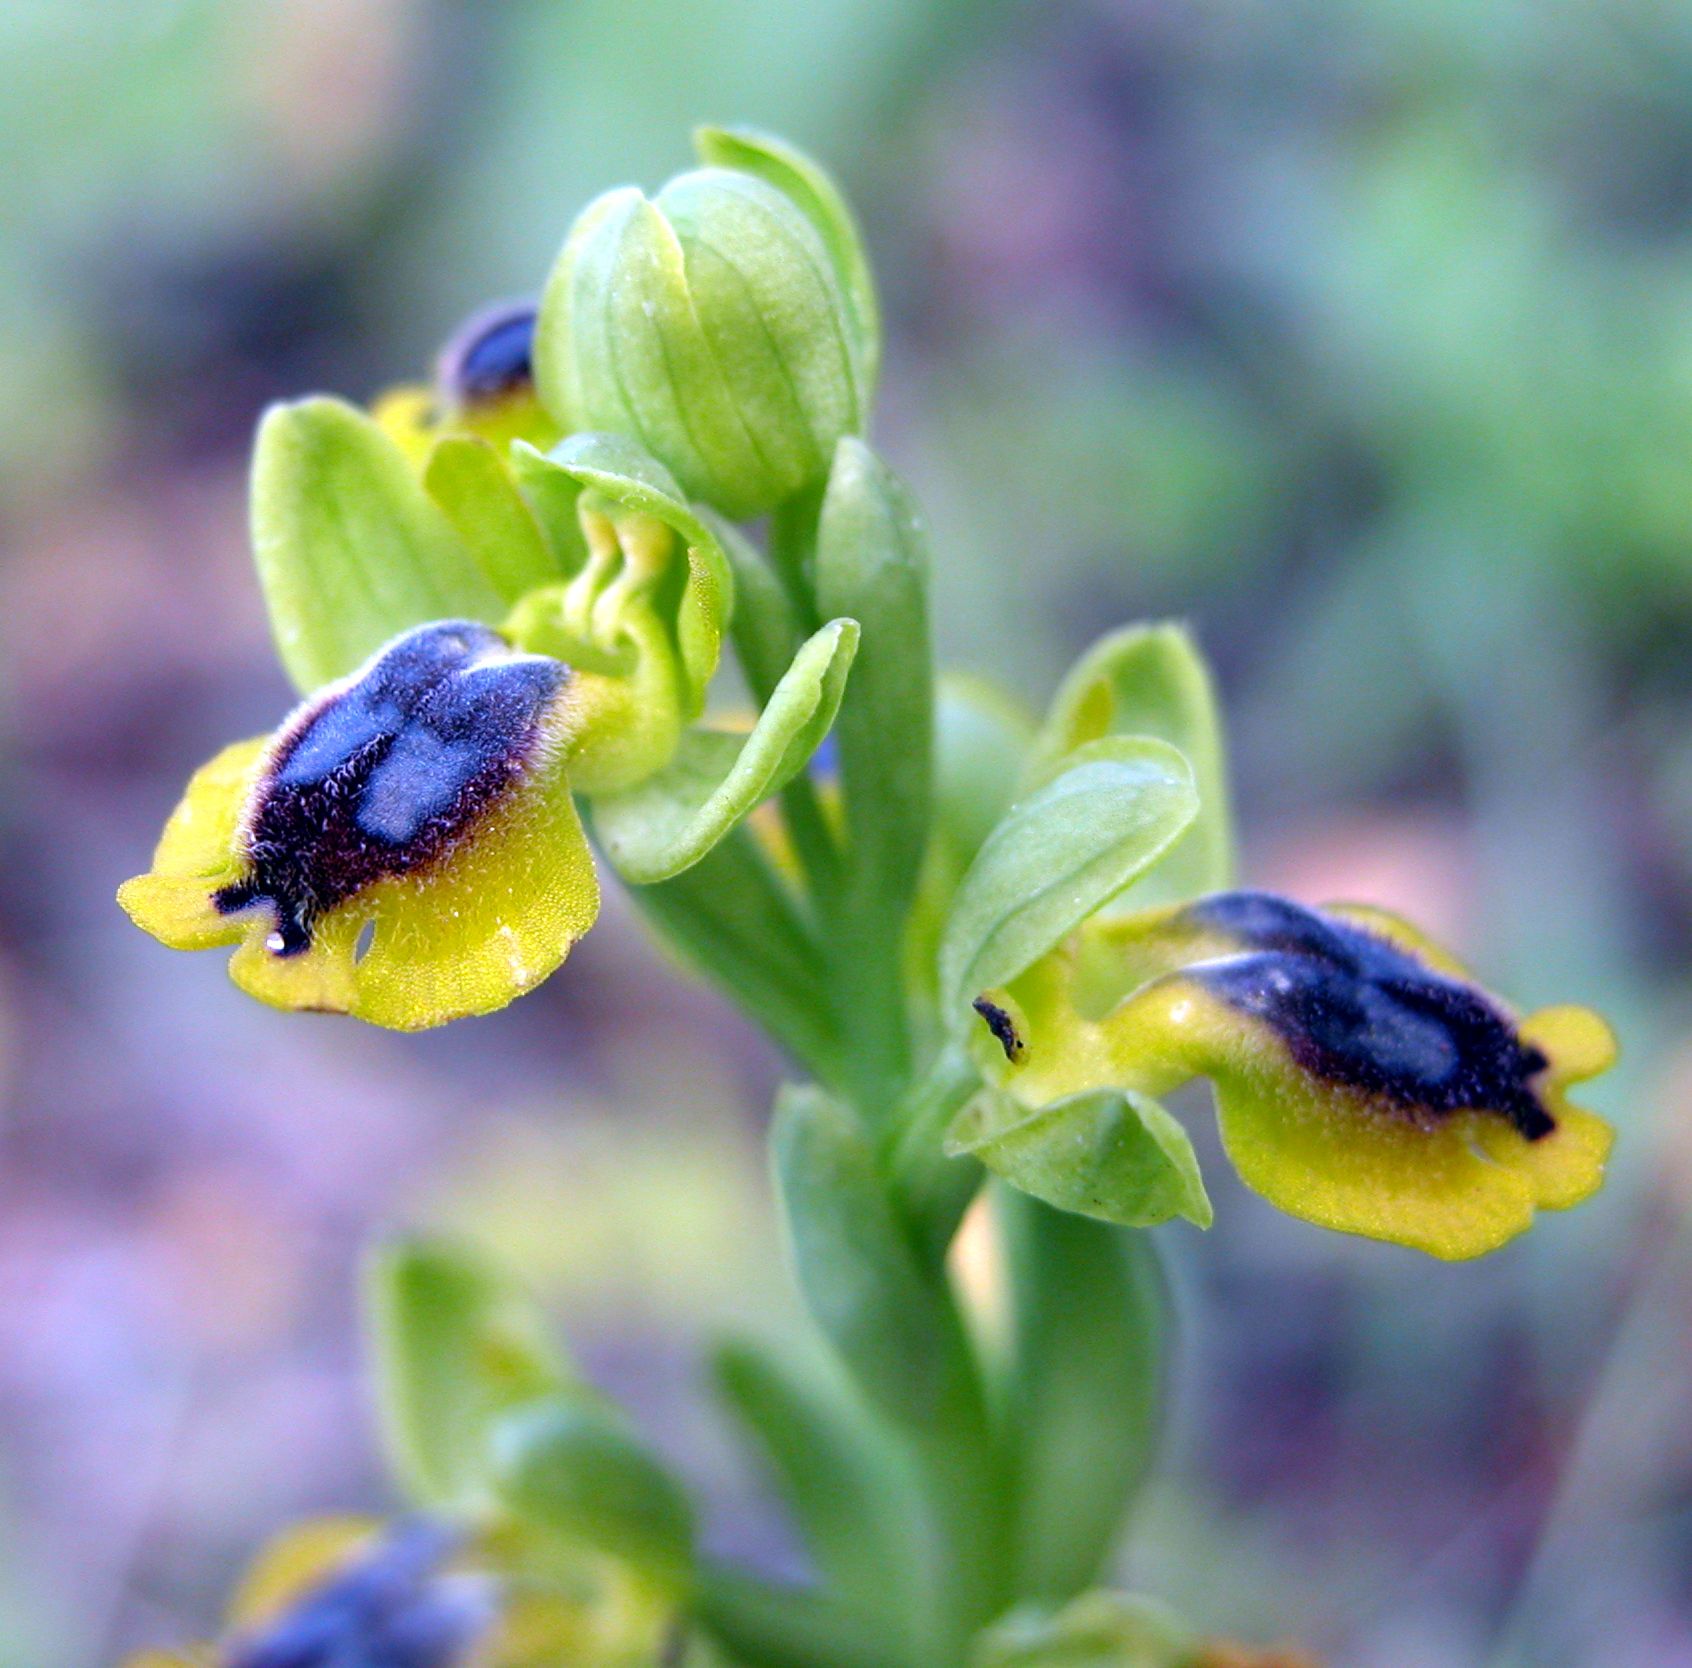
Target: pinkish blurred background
column 1359, row 334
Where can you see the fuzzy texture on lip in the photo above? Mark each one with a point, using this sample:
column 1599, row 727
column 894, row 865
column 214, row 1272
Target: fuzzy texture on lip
column 382, row 775
column 1363, row 1080
column 404, row 849
column 1356, row 1010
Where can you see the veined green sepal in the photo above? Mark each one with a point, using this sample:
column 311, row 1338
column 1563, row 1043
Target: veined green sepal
column 799, row 177
column 1107, row 1153
column 1151, row 680
column 1056, row 856
column 708, row 324
column 350, row 548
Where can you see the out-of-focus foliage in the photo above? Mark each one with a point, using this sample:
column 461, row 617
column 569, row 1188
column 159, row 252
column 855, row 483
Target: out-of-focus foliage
column 1359, row 333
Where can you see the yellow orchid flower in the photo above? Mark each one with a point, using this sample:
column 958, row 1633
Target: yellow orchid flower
column 1363, row 1081
column 403, row 848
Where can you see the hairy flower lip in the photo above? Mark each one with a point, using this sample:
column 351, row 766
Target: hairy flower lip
column 382, row 774
column 1363, row 1080
column 427, row 863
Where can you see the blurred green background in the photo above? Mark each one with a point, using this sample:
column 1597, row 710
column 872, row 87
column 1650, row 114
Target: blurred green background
column 1359, row 333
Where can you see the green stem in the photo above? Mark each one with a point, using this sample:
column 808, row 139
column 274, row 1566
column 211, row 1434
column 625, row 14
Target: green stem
column 970, row 1498
column 932, row 1191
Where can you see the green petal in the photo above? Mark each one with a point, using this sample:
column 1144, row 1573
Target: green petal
column 1106, row 1153
column 350, row 548
column 473, row 484
column 696, row 604
column 1072, row 845
column 672, row 819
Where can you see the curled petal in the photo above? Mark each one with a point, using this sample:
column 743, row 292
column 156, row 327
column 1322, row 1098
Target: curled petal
column 404, row 849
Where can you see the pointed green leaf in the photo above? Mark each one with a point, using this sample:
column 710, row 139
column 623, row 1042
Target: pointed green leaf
column 1151, row 680
column 1116, row 807
column 350, row 549
column 577, row 1471
column 798, row 177
column 1107, row 1153
column 456, row 1346
column 672, row 819
column 981, row 738
column 470, row 481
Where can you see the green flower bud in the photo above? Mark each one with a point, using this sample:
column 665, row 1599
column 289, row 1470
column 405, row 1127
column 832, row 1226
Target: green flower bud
column 711, row 324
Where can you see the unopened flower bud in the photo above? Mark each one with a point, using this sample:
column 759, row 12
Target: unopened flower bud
column 710, row 324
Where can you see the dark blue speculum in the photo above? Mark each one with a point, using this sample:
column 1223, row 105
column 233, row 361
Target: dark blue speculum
column 1354, row 1009
column 491, row 355
column 390, row 1607
column 384, row 776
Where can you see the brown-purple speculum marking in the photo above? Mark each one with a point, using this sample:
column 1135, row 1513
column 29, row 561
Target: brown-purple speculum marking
column 1355, row 1010
column 382, row 776
column 1003, row 1027
column 490, row 356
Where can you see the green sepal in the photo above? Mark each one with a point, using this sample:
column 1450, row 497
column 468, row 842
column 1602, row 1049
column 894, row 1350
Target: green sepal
column 1107, row 1153
column 470, row 481
column 670, row 821
column 852, row 1499
column 1114, row 809
column 456, row 1347
column 1151, row 680
column 855, row 1266
column 575, row 1470
column 982, row 736
column 1085, row 1388
column 350, row 548
column 1097, row 1630
column 800, row 178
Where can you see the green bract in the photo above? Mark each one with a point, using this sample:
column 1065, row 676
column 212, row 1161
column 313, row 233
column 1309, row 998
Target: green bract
column 710, row 324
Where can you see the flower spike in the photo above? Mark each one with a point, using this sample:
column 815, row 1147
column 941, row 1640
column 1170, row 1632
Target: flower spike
column 1363, row 1081
column 423, row 798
